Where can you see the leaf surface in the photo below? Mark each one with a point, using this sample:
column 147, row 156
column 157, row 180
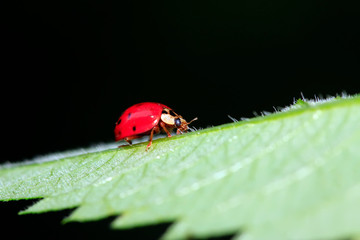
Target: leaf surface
column 292, row 174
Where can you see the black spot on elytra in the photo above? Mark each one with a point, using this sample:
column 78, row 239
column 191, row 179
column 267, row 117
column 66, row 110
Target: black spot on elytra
column 118, row 122
column 134, row 128
column 119, row 132
column 129, row 115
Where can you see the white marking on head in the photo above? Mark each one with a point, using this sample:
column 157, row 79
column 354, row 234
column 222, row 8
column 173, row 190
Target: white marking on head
column 168, row 119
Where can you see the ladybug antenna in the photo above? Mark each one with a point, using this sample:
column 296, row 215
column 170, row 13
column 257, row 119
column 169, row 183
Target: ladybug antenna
column 174, row 114
column 193, row 120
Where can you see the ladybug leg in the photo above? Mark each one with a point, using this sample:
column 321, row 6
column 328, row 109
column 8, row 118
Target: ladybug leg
column 155, row 129
column 163, row 126
column 180, row 132
column 128, row 141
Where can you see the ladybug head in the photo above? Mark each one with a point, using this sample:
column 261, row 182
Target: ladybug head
column 181, row 124
column 172, row 119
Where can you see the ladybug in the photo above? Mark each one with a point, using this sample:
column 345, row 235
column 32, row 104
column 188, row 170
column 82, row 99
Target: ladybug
column 148, row 118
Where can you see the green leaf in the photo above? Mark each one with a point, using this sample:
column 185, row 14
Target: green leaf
column 293, row 174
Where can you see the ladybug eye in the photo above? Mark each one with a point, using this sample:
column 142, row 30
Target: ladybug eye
column 177, row 122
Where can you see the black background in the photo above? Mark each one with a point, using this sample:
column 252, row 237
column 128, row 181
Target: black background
column 69, row 68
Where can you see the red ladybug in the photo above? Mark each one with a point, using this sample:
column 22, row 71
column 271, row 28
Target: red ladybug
column 148, row 118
